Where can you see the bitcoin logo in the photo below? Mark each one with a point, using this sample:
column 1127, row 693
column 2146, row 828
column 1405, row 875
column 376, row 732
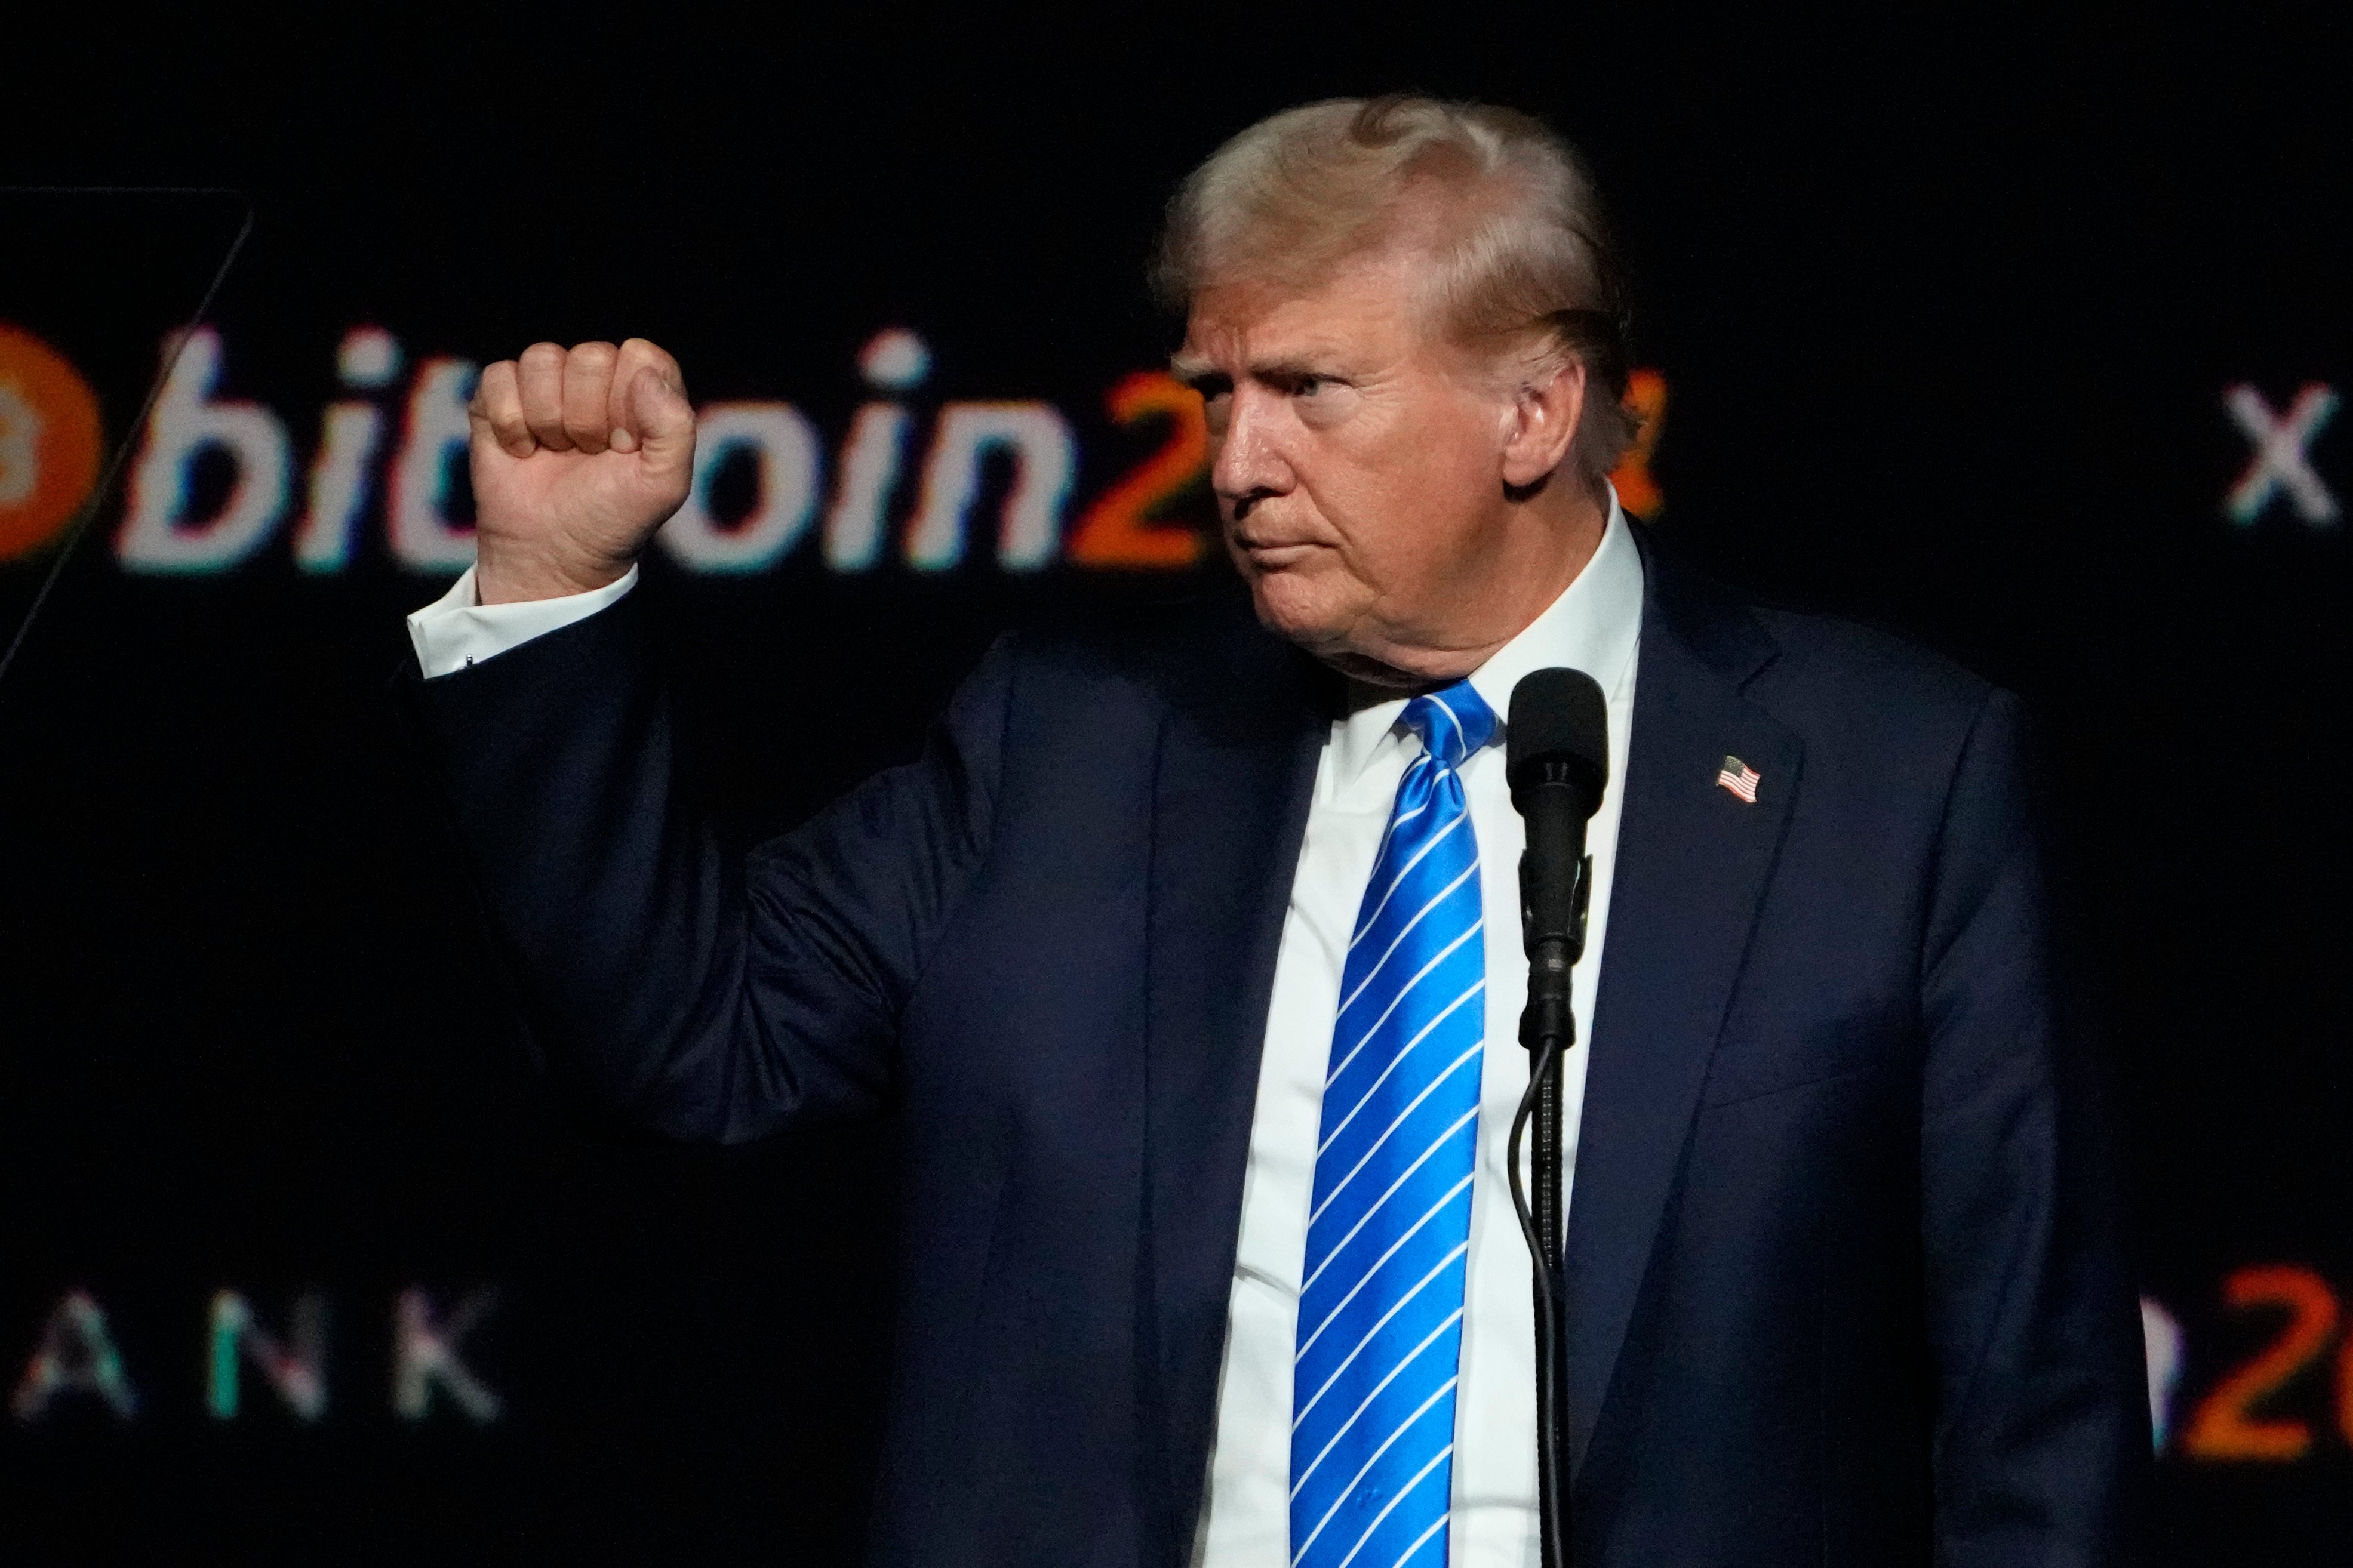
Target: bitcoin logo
column 50, row 442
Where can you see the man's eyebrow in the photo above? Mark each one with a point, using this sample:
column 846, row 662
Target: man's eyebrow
column 1195, row 371
column 1282, row 372
column 1205, row 380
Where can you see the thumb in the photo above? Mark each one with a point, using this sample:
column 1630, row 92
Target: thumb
column 665, row 423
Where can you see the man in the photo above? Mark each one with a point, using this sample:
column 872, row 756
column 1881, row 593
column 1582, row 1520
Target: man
column 1191, row 958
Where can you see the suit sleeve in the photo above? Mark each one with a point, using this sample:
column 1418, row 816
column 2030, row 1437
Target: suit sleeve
column 2042, row 1434
column 700, row 995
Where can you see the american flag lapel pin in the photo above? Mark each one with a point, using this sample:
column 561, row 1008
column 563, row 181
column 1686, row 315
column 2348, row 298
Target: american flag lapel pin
column 1739, row 778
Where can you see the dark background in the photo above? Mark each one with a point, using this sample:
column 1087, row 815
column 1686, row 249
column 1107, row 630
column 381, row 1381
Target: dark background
column 1946, row 310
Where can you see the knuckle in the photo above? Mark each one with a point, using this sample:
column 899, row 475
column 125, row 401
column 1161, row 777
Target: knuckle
column 645, row 351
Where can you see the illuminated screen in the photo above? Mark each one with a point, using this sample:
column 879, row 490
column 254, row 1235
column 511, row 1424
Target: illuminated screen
column 2029, row 354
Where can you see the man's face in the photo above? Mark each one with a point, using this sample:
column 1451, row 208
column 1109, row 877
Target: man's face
column 1357, row 459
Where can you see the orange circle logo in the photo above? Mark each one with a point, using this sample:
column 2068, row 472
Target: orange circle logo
column 50, row 442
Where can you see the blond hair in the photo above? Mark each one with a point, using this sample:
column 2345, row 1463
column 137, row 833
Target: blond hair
column 1522, row 260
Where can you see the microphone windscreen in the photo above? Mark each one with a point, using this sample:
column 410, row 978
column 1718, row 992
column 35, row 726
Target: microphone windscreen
column 1558, row 729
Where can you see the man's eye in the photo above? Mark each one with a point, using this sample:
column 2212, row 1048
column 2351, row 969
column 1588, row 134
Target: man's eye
column 1309, row 386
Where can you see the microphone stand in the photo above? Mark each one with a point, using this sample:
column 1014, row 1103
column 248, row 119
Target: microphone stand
column 1556, row 760
column 1547, row 1029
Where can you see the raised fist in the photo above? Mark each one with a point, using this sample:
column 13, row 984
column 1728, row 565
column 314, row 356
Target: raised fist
column 578, row 456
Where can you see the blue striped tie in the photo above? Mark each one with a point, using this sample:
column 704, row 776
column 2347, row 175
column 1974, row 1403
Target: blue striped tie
column 1381, row 1308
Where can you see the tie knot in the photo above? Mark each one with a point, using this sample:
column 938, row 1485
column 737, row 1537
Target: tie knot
column 1452, row 722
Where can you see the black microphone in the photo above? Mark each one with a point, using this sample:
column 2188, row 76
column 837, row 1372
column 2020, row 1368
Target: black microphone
column 1556, row 759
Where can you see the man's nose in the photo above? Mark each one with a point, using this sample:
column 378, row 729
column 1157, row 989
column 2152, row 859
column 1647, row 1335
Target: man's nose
column 1249, row 461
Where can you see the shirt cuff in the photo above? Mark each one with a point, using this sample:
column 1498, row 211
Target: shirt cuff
column 457, row 629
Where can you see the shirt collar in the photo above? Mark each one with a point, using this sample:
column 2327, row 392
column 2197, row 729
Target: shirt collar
column 1592, row 626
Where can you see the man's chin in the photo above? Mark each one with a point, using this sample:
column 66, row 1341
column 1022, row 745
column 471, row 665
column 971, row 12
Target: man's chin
column 1293, row 609
column 1328, row 629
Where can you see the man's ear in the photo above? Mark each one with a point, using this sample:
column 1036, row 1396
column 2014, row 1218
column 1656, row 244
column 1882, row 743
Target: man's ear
column 1543, row 426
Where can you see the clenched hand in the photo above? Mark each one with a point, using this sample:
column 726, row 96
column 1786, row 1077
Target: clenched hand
column 578, row 456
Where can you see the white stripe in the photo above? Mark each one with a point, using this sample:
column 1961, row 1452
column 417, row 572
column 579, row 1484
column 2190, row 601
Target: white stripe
column 1349, row 1360
column 1415, row 1104
column 1365, row 923
column 1334, row 1076
column 1410, row 1231
column 1365, row 920
column 1460, row 733
column 1451, row 1069
column 1436, row 1525
column 1388, row 835
column 1357, row 1414
column 1390, row 1442
column 1404, row 1492
column 1468, row 872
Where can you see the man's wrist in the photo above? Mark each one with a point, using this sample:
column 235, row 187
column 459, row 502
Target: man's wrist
column 501, row 578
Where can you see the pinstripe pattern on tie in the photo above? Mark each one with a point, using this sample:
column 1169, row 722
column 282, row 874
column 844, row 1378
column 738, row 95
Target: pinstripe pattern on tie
column 1380, row 1310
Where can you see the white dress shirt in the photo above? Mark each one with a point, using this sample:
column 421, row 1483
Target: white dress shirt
column 1595, row 626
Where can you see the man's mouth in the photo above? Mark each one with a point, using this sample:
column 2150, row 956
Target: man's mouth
column 1276, row 552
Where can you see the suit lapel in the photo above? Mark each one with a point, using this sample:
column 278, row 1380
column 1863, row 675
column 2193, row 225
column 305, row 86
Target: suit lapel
column 1238, row 749
column 1693, row 862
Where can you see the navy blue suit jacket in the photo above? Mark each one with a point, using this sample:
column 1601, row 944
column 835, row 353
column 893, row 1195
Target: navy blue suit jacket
column 1844, row 1284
